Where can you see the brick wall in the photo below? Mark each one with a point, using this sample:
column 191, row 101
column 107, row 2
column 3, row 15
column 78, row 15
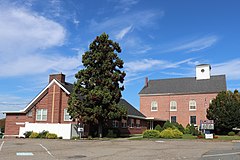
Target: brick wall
column 183, row 114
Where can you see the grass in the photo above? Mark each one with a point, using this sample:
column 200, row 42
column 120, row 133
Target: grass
column 228, row 138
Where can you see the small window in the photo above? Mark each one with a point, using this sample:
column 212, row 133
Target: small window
column 192, row 105
column 154, row 106
column 41, row 115
column 124, row 124
column 131, row 124
column 173, row 106
column 173, row 119
column 193, row 120
column 138, row 123
column 115, row 124
column 67, row 117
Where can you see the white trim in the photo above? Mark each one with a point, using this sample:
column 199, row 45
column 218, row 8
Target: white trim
column 53, row 81
column 195, row 105
column 166, row 94
column 67, row 120
column 153, row 103
column 171, row 105
column 20, row 123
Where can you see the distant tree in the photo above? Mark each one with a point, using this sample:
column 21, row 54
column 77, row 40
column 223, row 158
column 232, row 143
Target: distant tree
column 225, row 111
column 97, row 91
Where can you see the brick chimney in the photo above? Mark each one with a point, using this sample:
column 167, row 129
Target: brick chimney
column 146, row 82
column 60, row 77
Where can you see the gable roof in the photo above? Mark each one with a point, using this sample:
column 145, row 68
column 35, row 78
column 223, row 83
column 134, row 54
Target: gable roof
column 131, row 111
column 185, row 86
column 41, row 94
column 68, row 88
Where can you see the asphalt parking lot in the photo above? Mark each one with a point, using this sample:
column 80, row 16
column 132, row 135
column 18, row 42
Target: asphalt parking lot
column 120, row 149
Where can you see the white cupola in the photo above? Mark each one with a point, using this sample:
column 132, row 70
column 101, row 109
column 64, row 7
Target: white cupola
column 203, row 71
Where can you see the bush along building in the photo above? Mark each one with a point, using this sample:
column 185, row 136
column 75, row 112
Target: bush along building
column 182, row 100
column 48, row 111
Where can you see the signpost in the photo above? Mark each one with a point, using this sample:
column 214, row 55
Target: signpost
column 80, row 130
column 207, row 126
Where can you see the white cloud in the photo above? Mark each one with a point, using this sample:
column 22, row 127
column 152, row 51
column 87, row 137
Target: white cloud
column 135, row 69
column 24, row 35
column 195, row 45
column 125, row 5
column 137, row 19
column 123, row 32
column 229, row 68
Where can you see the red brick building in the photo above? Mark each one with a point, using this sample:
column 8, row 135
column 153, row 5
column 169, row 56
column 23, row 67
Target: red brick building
column 182, row 100
column 50, row 107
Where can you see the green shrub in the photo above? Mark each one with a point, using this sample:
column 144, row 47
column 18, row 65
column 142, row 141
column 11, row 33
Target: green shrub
column 179, row 127
column 43, row 134
column 171, row 133
column 27, row 134
column 111, row 134
column 168, row 124
column 158, row 128
column 151, row 134
column 231, row 133
column 34, row 135
column 51, row 136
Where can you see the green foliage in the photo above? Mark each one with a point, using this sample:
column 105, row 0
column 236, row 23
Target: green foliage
column 170, row 133
column 168, row 124
column 193, row 130
column 158, row 128
column 51, row 136
column 34, row 135
column 43, row 134
column 151, row 134
column 111, row 134
column 187, row 129
column 97, row 91
column 225, row 111
column 231, row 133
column 27, row 134
column 179, row 127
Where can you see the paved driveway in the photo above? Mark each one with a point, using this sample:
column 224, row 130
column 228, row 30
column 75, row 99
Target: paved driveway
column 118, row 149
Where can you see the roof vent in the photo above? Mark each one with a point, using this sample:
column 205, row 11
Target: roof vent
column 203, row 71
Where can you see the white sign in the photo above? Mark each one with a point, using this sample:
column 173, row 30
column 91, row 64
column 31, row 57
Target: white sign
column 209, row 136
column 80, row 129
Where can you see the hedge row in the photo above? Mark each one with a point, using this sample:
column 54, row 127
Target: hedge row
column 43, row 134
column 166, row 133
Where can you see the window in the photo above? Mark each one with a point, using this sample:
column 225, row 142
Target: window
column 173, row 106
column 138, row 123
column 124, row 123
column 173, row 119
column 192, row 105
column 154, row 106
column 41, row 114
column 131, row 123
column 115, row 124
column 67, row 117
column 193, row 120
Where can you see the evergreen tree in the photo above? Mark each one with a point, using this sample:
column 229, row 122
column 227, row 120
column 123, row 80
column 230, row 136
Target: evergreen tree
column 225, row 111
column 97, row 91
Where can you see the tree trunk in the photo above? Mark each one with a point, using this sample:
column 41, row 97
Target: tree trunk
column 100, row 129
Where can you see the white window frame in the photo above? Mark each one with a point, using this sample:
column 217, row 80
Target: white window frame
column 191, row 104
column 171, row 118
column 124, row 124
column 41, row 115
column 154, row 105
column 173, row 103
column 66, row 114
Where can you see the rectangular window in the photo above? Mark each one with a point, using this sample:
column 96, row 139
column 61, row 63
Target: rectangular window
column 138, row 123
column 193, row 120
column 67, row 117
column 124, row 123
column 41, row 114
column 173, row 119
column 115, row 124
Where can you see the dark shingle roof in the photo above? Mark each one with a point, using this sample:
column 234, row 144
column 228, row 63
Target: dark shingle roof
column 185, row 85
column 130, row 109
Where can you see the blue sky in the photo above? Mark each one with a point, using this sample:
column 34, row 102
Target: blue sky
column 159, row 39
